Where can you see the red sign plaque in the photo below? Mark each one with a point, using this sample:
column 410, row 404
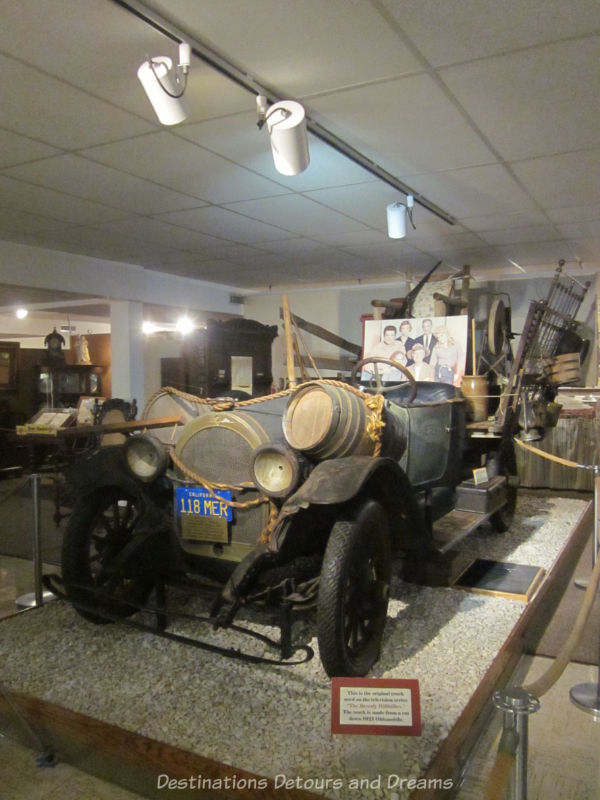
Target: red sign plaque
column 375, row 706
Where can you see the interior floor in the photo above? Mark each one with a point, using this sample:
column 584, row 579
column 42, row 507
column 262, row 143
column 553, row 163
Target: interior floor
column 564, row 741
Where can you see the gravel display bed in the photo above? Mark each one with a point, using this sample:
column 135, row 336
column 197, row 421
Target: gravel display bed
column 274, row 720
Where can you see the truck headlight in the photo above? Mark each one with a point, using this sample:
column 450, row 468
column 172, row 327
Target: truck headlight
column 145, row 456
column 276, row 470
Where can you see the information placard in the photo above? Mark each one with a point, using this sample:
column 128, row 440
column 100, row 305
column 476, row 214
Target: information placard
column 375, row 706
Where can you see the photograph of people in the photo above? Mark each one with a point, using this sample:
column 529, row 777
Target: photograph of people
column 389, row 348
column 406, row 340
column 388, row 344
column 427, row 339
column 420, row 369
column 445, row 356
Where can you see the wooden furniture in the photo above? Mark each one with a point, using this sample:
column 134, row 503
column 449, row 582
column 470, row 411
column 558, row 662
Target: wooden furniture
column 231, row 356
column 62, row 385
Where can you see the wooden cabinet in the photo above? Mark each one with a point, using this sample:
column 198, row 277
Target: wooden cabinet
column 60, row 386
column 231, row 356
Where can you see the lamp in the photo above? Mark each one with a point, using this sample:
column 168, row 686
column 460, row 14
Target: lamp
column 165, row 87
column 286, row 123
column 396, row 217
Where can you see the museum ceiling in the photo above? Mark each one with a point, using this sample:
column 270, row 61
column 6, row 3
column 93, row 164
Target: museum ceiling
column 486, row 111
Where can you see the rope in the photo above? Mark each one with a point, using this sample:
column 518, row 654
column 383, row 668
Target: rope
column 210, row 486
column 374, row 427
column 551, row 457
column 558, row 666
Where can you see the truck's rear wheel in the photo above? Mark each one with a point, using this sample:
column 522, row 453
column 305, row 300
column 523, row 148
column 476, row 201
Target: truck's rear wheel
column 354, row 591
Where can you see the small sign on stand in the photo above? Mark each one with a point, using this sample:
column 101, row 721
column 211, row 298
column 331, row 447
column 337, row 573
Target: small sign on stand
column 375, row 706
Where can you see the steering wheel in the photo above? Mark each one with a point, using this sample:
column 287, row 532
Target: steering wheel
column 379, row 388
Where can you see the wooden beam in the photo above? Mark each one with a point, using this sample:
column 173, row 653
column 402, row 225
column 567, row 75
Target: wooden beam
column 322, row 333
column 131, row 760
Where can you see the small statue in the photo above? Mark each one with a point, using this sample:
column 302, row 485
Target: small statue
column 82, row 350
column 54, row 342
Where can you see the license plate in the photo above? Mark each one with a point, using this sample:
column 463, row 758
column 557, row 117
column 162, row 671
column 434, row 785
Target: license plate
column 199, row 502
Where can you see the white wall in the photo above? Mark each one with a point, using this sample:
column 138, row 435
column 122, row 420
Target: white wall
column 337, row 310
column 22, row 265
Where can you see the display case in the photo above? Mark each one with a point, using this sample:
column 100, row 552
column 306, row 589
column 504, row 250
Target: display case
column 62, row 386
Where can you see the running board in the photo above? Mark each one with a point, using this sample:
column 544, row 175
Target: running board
column 454, row 526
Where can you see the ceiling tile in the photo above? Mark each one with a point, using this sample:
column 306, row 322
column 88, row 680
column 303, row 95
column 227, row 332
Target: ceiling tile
column 302, row 48
column 52, row 204
column 418, row 127
column 535, row 102
column 15, row 149
column 16, row 222
column 565, row 180
column 487, row 190
column 497, row 222
column 296, row 214
column 365, row 202
column 81, row 177
column 227, row 224
column 184, row 167
column 238, row 139
column 535, row 233
column 151, row 231
column 56, row 113
column 580, row 230
column 587, row 251
column 574, row 214
column 461, row 30
column 531, row 253
column 47, row 33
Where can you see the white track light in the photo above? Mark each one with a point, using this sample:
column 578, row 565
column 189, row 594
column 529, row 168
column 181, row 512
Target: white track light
column 286, row 123
column 396, row 220
column 165, row 86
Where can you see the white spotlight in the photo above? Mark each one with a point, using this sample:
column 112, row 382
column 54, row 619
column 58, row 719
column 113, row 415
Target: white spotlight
column 396, row 220
column 185, row 325
column 148, row 327
column 165, row 86
column 396, row 217
column 286, row 123
column 21, row 313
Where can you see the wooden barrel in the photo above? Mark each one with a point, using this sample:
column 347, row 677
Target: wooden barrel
column 326, row 421
column 475, row 390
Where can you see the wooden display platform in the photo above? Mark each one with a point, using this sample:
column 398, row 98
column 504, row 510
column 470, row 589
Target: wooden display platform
column 134, row 761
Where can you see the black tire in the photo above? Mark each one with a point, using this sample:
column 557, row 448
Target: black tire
column 99, row 528
column 504, row 462
column 353, row 592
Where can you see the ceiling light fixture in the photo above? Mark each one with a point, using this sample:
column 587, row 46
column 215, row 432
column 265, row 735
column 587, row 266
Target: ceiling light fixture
column 165, row 86
column 251, row 84
column 396, row 217
column 21, row 313
column 286, row 123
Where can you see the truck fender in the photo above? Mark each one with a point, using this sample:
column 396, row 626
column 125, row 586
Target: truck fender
column 339, row 481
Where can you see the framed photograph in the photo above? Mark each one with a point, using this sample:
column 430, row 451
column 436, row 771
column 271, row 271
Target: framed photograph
column 431, row 348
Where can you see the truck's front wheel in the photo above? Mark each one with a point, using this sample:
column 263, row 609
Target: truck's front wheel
column 99, row 529
column 354, row 591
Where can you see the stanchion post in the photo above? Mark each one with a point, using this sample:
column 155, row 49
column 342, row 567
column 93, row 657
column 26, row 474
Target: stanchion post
column 517, row 704
column 586, row 696
column 37, row 539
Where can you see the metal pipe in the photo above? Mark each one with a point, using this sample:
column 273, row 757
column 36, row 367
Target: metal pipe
column 517, row 704
column 37, row 539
